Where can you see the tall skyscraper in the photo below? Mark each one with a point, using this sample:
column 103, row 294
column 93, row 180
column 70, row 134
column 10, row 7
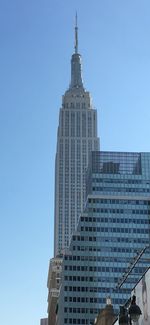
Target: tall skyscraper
column 76, row 138
column 112, row 230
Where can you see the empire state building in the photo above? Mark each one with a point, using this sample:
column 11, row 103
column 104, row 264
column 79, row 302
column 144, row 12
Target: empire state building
column 76, row 138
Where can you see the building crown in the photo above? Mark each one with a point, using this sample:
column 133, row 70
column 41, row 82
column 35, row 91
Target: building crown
column 76, row 66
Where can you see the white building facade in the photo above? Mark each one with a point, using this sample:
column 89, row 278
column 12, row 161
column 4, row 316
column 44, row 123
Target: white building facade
column 76, row 138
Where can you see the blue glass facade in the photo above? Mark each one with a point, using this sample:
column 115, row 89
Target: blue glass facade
column 113, row 229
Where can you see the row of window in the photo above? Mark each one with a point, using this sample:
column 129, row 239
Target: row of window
column 114, row 230
column 120, row 189
column 76, row 321
column 93, row 300
column 74, row 105
column 113, row 220
column 106, row 229
column 93, row 289
column 112, row 249
column 98, row 258
column 93, row 269
column 101, row 279
column 120, row 181
column 81, row 310
column 119, row 211
column 118, row 201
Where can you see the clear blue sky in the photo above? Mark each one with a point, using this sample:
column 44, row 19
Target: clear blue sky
column 36, row 41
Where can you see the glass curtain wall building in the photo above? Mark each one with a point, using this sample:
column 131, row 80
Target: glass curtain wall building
column 76, row 138
column 113, row 229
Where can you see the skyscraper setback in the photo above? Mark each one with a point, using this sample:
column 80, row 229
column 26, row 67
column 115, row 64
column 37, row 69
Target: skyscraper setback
column 76, row 138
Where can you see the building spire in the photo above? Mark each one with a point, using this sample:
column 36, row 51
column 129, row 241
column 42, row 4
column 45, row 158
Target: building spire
column 76, row 67
column 76, row 34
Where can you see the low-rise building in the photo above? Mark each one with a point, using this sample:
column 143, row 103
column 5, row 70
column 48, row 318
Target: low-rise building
column 53, row 284
column 44, row 321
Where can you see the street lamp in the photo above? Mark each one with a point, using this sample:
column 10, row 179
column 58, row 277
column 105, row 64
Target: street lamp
column 134, row 310
column 127, row 316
